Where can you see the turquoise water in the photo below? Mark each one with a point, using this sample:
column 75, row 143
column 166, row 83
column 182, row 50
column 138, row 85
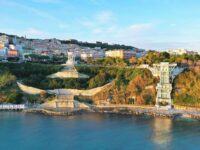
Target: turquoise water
column 19, row 131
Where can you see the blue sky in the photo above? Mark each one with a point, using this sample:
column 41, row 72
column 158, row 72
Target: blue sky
column 149, row 24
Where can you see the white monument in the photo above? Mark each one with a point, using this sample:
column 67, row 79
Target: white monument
column 69, row 70
column 166, row 73
column 164, row 87
column 71, row 59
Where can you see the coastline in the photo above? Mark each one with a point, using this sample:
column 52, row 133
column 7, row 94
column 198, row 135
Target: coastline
column 153, row 112
column 52, row 112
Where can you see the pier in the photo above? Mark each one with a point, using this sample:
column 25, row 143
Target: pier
column 12, row 107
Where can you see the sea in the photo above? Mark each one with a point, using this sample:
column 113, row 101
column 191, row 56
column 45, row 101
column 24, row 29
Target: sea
column 95, row 131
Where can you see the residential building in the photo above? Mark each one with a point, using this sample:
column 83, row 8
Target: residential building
column 4, row 39
column 181, row 52
column 86, row 56
column 12, row 53
column 3, row 52
column 2, row 45
column 120, row 53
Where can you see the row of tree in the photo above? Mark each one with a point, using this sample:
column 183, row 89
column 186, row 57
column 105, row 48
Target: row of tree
column 97, row 44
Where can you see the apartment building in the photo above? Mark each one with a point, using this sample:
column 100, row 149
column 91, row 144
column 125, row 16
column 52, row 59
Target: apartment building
column 181, row 52
column 120, row 53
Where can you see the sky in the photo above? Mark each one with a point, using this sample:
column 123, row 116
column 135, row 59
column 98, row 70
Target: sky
column 148, row 24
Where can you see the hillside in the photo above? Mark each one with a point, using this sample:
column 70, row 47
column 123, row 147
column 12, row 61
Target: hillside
column 187, row 88
column 129, row 86
column 84, row 44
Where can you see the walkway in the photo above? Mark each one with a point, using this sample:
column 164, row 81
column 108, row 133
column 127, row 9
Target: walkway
column 12, row 106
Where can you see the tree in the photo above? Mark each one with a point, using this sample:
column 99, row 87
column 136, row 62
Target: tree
column 6, row 78
column 98, row 80
column 133, row 60
column 14, row 96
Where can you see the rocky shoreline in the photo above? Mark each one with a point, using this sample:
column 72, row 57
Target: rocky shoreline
column 174, row 113
column 126, row 111
column 52, row 112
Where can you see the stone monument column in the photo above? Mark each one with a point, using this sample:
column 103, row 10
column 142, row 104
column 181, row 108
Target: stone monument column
column 71, row 59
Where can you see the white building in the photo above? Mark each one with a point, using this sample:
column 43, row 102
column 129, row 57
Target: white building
column 120, row 53
column 86, row 56
column 4, row 41
column 11, row 46
column 3, row 53
column 181, row 52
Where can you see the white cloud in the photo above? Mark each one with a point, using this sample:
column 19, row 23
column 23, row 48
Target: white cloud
column 31, row 9
column 35, row 33
column 172, row 25
column 97, row 30
column 88, row 24
column 63, row 26
column 98, row 20
column 97, row 2
column 132, row 34
column 28, row 32
column 104, row 24
column 165, row 45
column 104, row 17
column 48, row 1
column 140, row 27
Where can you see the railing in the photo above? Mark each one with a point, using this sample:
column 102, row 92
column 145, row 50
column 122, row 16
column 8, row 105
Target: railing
column 12, row 106
column 126, row 106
